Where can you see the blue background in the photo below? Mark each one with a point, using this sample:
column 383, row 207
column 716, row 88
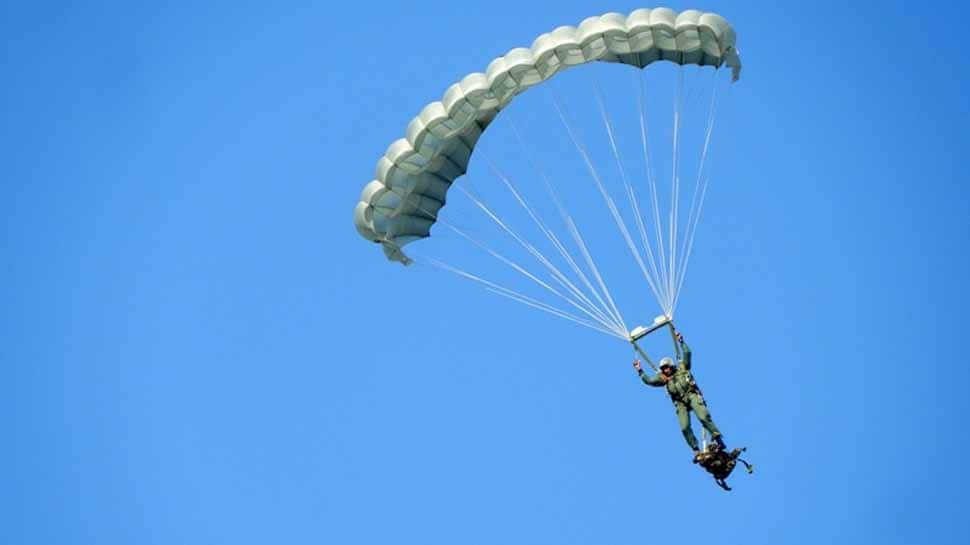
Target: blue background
column 197, row 347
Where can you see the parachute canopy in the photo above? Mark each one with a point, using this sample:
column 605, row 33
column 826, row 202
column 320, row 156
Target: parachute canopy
column 415, row 173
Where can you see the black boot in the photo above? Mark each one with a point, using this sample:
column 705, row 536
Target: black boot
column 720, row 442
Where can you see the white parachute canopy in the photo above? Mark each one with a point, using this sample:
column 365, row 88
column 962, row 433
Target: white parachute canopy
column 656, row 226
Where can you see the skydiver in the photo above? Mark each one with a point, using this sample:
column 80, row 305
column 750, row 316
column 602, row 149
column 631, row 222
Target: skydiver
column 685, row 394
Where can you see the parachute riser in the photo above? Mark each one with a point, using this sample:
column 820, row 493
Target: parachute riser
column 644, row 355
column 673, row 337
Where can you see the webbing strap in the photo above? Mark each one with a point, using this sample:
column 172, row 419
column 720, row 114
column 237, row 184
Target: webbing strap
column 646, row 358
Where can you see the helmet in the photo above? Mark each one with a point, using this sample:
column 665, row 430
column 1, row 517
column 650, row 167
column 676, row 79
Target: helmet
column 666, row 362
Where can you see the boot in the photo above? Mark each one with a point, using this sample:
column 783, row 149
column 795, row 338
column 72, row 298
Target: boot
column 720, row 442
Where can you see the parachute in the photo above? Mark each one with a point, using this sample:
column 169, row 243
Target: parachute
column 416, row 173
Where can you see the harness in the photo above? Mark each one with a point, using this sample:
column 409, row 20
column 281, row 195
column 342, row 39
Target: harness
column 692, row 388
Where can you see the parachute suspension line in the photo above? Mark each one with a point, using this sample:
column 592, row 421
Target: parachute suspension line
column 700, row 170
column 690, row 246
column 693, row 217
column 516, row 296
column 527, row 274
column 653, row 279
column 532, row 250
column 664, row 269
column 557, row 275
column 653, row 189
column 555, row 242
column 621, row 225
column 555, row 312
column 675, row 185
column 574, row 233
column 607, row 324
column 693, row 200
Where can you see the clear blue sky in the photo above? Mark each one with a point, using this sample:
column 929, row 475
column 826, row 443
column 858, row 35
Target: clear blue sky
column 198, row 348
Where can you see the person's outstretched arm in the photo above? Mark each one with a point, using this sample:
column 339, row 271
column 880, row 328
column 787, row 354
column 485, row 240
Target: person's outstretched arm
column 654, row 380
column 685, row 350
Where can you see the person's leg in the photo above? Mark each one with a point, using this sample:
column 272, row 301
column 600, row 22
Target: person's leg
column 683, row 418
column 700, row 409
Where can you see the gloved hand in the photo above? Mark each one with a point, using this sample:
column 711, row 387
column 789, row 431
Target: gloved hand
column 680, row 337
column 636, row 365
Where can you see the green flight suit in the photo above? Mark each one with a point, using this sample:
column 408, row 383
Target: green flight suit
column 685, row 394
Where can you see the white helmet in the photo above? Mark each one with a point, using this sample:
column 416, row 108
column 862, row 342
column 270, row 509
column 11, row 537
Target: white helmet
column 666, row 362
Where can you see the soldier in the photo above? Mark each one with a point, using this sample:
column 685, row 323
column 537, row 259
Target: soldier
column 685, row 395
